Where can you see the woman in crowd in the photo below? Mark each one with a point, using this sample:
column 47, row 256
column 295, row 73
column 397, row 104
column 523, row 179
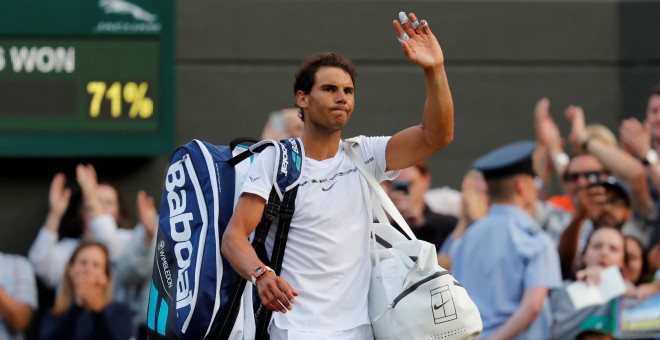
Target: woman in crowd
column 84, row 306
column 635, row 265
column 605, row 247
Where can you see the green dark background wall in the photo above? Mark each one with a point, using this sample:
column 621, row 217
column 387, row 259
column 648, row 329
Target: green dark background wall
column 235, row 63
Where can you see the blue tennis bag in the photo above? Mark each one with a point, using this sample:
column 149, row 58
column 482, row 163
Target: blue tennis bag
column 195, row 293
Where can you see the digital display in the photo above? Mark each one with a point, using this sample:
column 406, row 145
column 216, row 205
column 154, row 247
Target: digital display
column 102, row 87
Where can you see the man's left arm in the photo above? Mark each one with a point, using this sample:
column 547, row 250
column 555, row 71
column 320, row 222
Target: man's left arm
column 529, row 310
column 436, row 131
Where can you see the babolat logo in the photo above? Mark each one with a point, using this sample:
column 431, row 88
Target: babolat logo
column 295, row 155
column 285, row 161
column 294, row 146
column 180, row 230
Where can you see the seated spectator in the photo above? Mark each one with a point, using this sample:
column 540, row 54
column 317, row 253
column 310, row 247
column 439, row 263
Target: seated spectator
column 18, row 296
column 605, row 247
column 603, row 204
column 407, row 193
column 646, row 290
column 84, row 306
column 635, row 262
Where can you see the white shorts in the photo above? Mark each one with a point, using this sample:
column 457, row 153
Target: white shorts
column 363, row 332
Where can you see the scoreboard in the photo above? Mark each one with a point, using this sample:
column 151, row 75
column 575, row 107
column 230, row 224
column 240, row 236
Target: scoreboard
column 87, row 78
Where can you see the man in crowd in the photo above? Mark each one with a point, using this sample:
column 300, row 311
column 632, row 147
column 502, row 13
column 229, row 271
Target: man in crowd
column 18, row 296
column 505, row 260
column 407, row 193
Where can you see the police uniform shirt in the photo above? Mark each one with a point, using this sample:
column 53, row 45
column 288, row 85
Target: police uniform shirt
column 498, row 259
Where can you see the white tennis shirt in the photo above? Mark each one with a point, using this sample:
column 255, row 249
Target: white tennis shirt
column 327, row 252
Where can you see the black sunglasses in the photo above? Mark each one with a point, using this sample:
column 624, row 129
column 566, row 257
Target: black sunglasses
column 591, row 176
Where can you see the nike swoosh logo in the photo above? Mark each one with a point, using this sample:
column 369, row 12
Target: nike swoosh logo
column 330, row 187
column 438, row 307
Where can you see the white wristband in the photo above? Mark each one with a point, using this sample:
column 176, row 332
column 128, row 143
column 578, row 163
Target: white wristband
column 561, row 160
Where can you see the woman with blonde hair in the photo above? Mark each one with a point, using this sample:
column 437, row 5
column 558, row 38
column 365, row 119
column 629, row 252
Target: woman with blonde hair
column 84, row 306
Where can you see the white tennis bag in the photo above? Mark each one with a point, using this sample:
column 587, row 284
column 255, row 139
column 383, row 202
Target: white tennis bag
column 410, row 295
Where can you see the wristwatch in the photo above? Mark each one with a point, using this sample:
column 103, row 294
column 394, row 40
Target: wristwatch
column 259, row 271
column 650, row 158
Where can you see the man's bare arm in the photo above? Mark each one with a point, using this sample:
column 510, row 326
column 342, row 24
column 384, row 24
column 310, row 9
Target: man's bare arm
column 275, row 293
column 17, row 314
column 436, row 131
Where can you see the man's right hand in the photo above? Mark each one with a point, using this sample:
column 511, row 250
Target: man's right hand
column 275, row 293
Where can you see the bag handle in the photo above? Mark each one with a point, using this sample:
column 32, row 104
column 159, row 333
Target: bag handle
column 384, row 201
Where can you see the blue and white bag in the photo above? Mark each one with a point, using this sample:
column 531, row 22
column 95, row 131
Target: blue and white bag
column 195, row 293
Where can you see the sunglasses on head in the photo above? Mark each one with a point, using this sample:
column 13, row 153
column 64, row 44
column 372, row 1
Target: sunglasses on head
column 591, row 176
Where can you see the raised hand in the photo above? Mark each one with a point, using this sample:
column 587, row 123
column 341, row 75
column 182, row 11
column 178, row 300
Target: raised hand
column 575, row 115
column 148, row 214
column 474, row 196
column 59, row 197
column 547, row 132
column 635, row 137
column 418, row 42
column 87, row 179
column 86, row 176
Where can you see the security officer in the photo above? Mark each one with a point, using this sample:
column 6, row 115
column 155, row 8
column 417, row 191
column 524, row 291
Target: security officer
column 505, row 261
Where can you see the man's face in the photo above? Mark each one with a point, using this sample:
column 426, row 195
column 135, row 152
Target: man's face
column 582, row 171
column 330, row 102
column 614, row 212
column 653, row 115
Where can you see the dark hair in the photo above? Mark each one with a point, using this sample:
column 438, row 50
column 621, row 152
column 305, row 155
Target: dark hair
column 645, row 264
column 306, row 75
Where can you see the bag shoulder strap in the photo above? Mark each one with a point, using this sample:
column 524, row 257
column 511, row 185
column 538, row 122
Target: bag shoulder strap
column 289, row 158
column 352, row 148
